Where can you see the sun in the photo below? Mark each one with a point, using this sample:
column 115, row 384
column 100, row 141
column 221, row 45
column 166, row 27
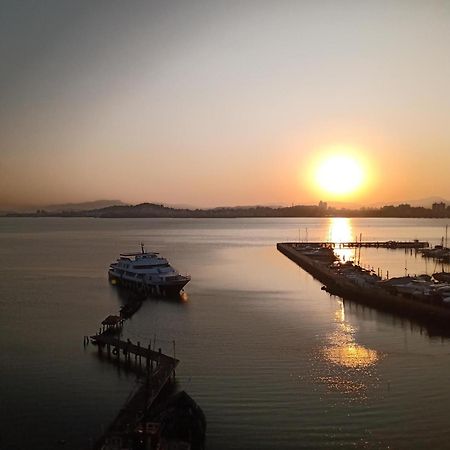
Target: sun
column 340, row 175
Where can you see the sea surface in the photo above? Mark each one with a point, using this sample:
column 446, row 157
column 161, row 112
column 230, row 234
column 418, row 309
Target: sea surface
column 273, row 361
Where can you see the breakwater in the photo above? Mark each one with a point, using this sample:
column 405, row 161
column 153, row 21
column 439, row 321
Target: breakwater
column 416, row 244
column 427, row 313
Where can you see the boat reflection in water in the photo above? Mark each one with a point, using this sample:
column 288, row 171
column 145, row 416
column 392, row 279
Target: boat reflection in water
column 350, row 365
column 340, row 230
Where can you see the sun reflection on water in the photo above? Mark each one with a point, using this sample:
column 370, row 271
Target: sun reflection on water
column 340, row 230
column 342, row 348
column 350, row 365
column 351, row 355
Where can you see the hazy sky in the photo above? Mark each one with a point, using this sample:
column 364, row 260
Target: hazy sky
column 221, row 102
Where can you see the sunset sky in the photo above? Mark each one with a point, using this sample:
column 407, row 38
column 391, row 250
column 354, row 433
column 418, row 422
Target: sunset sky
column 212, row 103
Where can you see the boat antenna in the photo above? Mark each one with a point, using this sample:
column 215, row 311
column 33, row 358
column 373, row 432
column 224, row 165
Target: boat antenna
column 142, row 248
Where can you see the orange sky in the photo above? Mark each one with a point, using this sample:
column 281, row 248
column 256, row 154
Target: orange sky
column 214, row 104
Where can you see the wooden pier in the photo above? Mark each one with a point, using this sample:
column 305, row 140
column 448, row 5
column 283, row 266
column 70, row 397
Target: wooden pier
column 160, row 370
column 115, row 347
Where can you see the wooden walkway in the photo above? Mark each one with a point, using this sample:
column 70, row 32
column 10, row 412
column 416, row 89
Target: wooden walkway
column 115, row 347
column 143, row 398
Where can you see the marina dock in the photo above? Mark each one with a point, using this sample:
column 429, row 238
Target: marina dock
column 317, row 260
column 371, row 244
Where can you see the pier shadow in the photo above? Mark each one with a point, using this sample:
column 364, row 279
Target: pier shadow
column 397, row 320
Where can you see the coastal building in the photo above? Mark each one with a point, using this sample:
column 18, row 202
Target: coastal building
column 439, row 209
column 323, row 205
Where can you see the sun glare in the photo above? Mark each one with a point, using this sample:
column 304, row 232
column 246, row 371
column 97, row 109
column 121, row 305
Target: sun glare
column 339, row 175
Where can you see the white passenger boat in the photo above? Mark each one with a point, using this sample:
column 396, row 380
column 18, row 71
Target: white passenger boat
column 147, row 271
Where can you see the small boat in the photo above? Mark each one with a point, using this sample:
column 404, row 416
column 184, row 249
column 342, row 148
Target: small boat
column 147, row 272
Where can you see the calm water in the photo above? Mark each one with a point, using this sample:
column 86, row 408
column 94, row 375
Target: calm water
column 274, row 362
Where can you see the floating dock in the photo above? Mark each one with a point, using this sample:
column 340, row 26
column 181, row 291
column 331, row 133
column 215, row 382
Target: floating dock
column 375, row 296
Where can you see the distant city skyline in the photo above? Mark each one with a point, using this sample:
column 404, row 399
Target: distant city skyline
column 223, row 103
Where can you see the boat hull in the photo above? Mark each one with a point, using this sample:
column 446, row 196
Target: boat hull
column 163, row 289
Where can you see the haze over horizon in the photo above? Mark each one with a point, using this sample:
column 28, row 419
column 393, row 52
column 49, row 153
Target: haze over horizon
column 214, row 103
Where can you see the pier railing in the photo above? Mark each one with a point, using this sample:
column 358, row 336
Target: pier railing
column 114, row 346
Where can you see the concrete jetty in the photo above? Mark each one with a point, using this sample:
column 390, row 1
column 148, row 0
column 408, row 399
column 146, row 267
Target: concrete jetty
column 416, row 244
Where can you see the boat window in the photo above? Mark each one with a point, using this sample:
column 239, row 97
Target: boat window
column 150, row 266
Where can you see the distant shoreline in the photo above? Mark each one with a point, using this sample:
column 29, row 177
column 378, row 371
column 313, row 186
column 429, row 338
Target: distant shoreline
column 152, row 210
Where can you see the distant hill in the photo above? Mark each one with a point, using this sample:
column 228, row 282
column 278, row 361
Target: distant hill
column 84, row 206
column 154, row 210
column 150, row 210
